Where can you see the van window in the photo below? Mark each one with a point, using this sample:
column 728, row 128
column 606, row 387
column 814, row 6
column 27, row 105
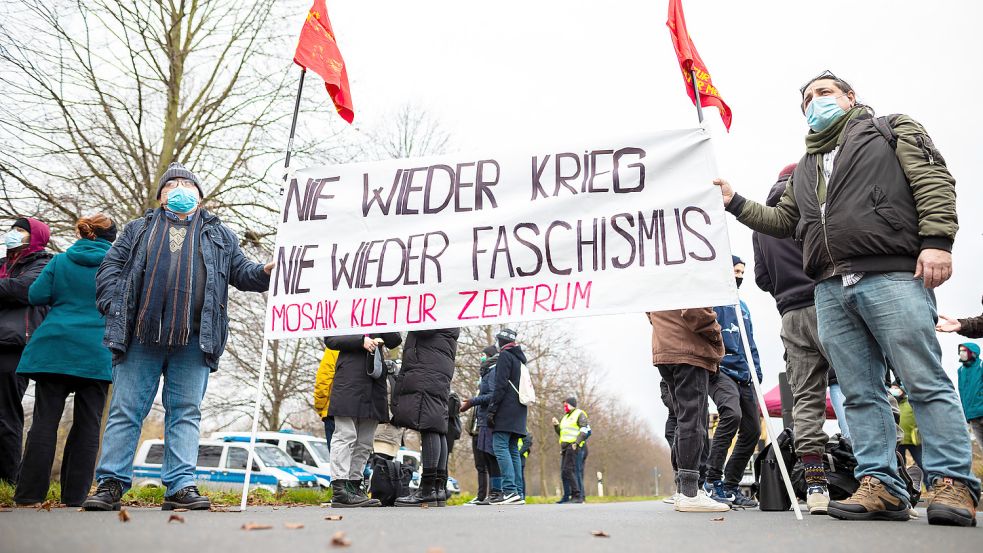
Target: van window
column 236, row 459
column 209, row 455
column 155, row 455
column 299, row 453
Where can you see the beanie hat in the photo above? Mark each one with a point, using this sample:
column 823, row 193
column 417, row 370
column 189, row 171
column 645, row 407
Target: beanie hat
column 22, row 223
column 737, row 260
column 177, row 171
column 572, row 401
column 108, row 234
column 507, row 335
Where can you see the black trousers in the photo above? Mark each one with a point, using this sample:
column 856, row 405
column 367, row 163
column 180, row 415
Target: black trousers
column 481, row 467
column 568, row 471
column 687, row 387
column 81, row 446
column 738, row 412
column 12, row 388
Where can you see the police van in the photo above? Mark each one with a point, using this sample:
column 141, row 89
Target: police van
column 309, row 452
column 222, row 466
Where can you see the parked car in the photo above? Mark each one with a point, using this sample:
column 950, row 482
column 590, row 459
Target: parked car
column 310, row 452
column 222, row 466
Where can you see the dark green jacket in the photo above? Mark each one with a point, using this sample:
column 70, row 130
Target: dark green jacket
column 69, row 341
column 882, row 206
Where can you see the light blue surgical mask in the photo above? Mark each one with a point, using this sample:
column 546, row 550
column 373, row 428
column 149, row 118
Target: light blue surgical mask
column 823, row 112
column 182, row 200
column 13, row 239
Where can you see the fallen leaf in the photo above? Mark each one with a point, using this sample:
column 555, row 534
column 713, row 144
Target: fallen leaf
column 721, row 519
column 47, row 505
column 293, row 525
column 424, row 505
column 176, row 518
column 435, row 550
column 180, row 510
column 254, row 526
column 600, row 534
column 339, row 540
column 333, row 517
column 124, row 516
column 81, row 510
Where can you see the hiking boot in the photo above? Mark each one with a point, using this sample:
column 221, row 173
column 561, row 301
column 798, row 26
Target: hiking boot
column 440, row 486
column 702, row 503
column 426, row 494
column 357, row 495
column 951, row 504
column 817, row 499
column 719, row 492
column 741, row 501
column 342, row 497
column 186, row 498
column 106, row 497
column 871, row 501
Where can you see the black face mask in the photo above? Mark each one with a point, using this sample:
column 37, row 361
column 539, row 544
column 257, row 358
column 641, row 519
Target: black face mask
column 739, row 281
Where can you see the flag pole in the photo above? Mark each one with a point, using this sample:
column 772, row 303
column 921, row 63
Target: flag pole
column 696, row 97
column 252, row 433
column 293, row 129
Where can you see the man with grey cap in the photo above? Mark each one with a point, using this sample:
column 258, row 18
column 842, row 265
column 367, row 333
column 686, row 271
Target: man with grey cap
column 163, row 288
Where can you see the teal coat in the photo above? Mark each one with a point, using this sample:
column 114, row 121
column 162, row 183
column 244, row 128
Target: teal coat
column 971, row 384
column 69, row 341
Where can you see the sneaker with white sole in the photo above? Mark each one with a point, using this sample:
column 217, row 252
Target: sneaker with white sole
column 817, row 499
column 513, row 499
column 671, row 500
column 702, row 503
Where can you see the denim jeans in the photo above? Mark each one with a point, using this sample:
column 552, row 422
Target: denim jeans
column 837, row 399
column 581, row 461
column 506, row 445
column 135, row 382
column 892, row 315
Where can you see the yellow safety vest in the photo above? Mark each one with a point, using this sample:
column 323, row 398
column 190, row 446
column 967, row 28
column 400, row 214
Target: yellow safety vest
column 526, row 454
column 569, row 427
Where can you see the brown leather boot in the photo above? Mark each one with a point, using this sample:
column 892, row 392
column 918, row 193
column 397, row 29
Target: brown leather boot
column 951, row 504
column 871, row 501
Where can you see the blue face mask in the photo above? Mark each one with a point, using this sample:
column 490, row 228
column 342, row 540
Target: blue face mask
column 823, row 112
column 182, row 200
column 13, row 239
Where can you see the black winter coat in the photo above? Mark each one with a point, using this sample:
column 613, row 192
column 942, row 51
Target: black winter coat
column 509, row 415
column 486, row 389
column 353, row 392
column 420, row 395
column 18, row 318
column 778, row 264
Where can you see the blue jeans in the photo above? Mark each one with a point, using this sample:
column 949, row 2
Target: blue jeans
column 892, row 315
column 581, row 458
column 837, row 399
column 135, row 382
column 506, row 446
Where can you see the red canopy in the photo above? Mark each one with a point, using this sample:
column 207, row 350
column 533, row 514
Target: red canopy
column 773, row 402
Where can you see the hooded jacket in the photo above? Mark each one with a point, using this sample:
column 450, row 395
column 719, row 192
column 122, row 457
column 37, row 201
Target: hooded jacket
column 18, row 318
column 686, row 336
column 735, row 364
column 486, row 389
column 423, row 385
column 69, row 341
column 971, row 384
column 354, row 393
column 508, row 414
column 778, row 263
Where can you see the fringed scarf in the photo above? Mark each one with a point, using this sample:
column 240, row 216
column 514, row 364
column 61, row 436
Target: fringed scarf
column 165, row 316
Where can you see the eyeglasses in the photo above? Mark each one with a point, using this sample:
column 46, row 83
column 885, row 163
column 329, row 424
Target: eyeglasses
column 174, row 183
column 827, row 74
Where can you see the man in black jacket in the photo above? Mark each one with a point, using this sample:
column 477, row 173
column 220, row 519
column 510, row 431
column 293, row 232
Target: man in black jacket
column 778, row 271
column 507, row 416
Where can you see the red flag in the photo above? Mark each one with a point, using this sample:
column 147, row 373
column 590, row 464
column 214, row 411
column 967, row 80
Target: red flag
column 318, row 51
column 689, row 59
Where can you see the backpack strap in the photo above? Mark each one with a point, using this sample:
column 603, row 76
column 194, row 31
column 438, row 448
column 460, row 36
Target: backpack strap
column 885, row 126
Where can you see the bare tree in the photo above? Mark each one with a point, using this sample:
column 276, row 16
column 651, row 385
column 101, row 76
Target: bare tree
column 409, row 132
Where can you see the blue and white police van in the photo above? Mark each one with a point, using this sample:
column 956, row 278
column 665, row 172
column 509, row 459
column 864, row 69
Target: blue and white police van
column 309, row 452
column 222, row 466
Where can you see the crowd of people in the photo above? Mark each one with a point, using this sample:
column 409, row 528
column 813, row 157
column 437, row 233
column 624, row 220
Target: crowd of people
column 851, row 242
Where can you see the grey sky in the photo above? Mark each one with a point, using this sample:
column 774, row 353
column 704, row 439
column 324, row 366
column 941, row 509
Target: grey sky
column 509, row 71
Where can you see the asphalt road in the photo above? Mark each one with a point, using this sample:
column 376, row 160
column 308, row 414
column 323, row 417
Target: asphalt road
column 647, row 527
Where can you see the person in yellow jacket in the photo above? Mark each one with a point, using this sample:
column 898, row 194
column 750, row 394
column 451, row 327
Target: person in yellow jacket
column 573, row 430
column 322, row 391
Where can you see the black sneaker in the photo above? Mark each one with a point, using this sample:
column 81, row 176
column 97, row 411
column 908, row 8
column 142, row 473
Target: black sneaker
column 186, row 498
column 106, row 498
column 741, row 501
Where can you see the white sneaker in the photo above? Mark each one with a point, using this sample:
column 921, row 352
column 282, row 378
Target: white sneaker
column 513, row 499
column 670, row 500
column 702, row 503
column 818, row 501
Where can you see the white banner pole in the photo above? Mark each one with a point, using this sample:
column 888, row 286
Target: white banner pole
column 745, row 332
column 252, row 434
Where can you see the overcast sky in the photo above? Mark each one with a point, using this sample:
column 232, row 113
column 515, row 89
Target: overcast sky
column 509, row 71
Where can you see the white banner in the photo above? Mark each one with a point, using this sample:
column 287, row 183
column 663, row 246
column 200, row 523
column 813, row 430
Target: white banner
column 631, row 224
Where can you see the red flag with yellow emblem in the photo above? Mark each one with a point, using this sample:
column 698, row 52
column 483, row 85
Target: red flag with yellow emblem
column 690, row 61
column 318, row 51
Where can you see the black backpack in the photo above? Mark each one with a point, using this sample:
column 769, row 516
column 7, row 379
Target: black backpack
column 390, row 480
